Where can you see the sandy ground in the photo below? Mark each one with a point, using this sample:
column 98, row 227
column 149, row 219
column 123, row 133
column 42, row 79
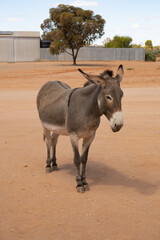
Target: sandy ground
column 123, row 168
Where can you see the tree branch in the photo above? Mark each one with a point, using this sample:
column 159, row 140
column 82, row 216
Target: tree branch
column 68, row 52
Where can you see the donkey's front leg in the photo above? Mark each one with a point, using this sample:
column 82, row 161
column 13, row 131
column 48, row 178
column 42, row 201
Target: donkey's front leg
column 77, row 161
column 85, row 149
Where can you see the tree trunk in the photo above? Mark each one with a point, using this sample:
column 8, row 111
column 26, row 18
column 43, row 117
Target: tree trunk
column 74, row 61
column 74, row 55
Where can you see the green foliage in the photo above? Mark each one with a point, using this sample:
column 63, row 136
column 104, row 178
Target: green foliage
column 148, row 45
column 134, row 45
column 150, row 56
column 70, row 27
column 119, row 42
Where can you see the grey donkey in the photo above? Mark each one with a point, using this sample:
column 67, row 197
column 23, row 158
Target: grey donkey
column 76, row 113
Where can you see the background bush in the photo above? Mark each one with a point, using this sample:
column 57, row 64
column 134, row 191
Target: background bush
column 150, row 56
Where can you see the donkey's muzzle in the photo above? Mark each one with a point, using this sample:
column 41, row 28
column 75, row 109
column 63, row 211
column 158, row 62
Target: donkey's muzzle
column 116, row 128
column 116, row 121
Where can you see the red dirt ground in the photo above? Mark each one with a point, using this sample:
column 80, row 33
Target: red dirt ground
column 123, row 168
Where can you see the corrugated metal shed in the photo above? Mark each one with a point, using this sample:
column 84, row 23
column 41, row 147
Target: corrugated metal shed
column 19, row 46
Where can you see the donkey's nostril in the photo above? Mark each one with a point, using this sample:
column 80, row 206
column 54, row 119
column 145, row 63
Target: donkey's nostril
column 117, row 126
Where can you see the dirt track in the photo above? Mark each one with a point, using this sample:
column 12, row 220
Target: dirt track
column 123, row 168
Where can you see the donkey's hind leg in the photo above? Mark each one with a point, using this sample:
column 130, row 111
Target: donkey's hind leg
column 54, row 139
column 47, row 140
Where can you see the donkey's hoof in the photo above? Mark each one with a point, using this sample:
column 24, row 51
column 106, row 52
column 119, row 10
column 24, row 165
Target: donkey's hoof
column 48, row 169
column 55, row 168
column 86, row 187
column 80, row 189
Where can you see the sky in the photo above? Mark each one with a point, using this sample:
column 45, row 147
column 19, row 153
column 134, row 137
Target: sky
column 139, row 19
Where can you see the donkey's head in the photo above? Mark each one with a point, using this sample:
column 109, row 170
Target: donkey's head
column 109, row 99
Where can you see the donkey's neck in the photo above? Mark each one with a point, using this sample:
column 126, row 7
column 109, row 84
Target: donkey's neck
column 92, row 93
column 83, row 111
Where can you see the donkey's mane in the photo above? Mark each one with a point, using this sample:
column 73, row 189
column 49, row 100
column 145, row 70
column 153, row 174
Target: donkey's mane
column 106, row 73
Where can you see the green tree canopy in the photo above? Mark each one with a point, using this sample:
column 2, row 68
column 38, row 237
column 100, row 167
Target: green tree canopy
column 119, row 42
column 70, row 27
column 148, row 45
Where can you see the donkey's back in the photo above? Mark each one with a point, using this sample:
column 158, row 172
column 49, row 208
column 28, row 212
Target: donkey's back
column 52, row 102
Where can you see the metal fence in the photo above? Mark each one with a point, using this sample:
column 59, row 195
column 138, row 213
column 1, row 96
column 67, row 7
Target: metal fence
column 97, row 54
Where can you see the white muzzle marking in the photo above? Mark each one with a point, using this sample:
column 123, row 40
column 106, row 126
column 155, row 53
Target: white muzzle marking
column 116, row 121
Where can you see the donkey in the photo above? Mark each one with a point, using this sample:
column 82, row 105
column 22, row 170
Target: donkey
column 76, row 113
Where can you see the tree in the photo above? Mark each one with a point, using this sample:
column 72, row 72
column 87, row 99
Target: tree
column 134, row 45
column 70, row 27
column 119, row 42
column 148, row 45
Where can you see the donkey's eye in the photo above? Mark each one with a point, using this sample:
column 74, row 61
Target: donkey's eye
column 108, row 97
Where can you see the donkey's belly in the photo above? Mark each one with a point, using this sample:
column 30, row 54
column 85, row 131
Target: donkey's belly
column 59, row 130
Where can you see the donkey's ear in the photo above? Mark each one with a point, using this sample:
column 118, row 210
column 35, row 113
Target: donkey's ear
column 120, row 73
column 86, row 76
column 99, row 80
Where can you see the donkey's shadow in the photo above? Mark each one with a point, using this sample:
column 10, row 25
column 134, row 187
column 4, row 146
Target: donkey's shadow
column 101, row 174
